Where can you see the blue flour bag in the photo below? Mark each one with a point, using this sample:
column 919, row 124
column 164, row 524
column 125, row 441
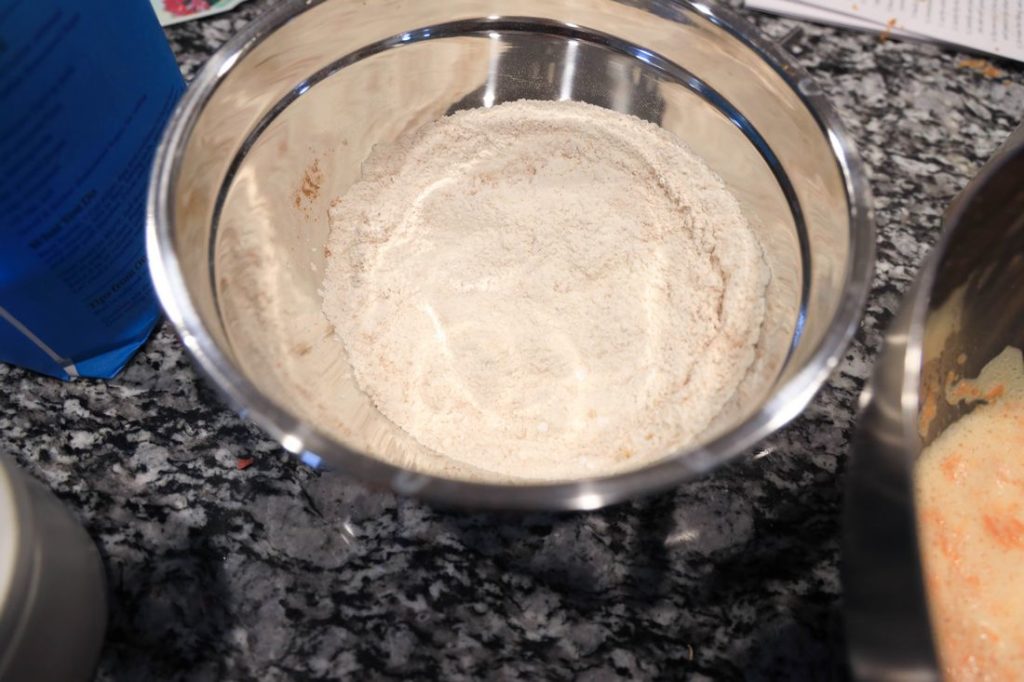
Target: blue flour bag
column 85, row 90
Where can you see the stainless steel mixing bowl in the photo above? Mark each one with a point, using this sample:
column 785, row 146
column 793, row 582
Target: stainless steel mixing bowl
column 280, row 120
column 967, row 303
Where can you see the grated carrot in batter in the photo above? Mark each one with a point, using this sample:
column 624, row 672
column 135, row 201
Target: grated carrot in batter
column 969, row 484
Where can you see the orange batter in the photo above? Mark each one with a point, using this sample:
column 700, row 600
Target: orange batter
column 970, row 497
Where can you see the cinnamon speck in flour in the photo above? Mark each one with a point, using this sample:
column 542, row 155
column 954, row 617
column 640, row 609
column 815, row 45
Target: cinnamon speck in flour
column 545, row 290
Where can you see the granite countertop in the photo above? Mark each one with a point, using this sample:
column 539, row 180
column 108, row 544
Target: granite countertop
column 277, row 572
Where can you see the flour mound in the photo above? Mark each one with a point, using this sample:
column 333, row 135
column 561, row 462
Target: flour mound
column 545, row 290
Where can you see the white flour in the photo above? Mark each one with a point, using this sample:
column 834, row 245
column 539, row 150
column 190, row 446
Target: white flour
column 545, row 290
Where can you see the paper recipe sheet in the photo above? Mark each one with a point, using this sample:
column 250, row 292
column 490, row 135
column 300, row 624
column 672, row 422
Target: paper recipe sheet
column 992, row 26
column 801, row 10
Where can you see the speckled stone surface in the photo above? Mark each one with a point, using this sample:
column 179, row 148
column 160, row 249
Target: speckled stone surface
column 275, row 572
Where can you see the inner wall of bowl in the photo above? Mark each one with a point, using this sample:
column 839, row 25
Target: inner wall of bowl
column 338, row 96
column 975, row 308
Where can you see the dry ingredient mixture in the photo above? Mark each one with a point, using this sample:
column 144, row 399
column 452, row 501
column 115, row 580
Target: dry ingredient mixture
column 970, row 496
column 545, row 290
